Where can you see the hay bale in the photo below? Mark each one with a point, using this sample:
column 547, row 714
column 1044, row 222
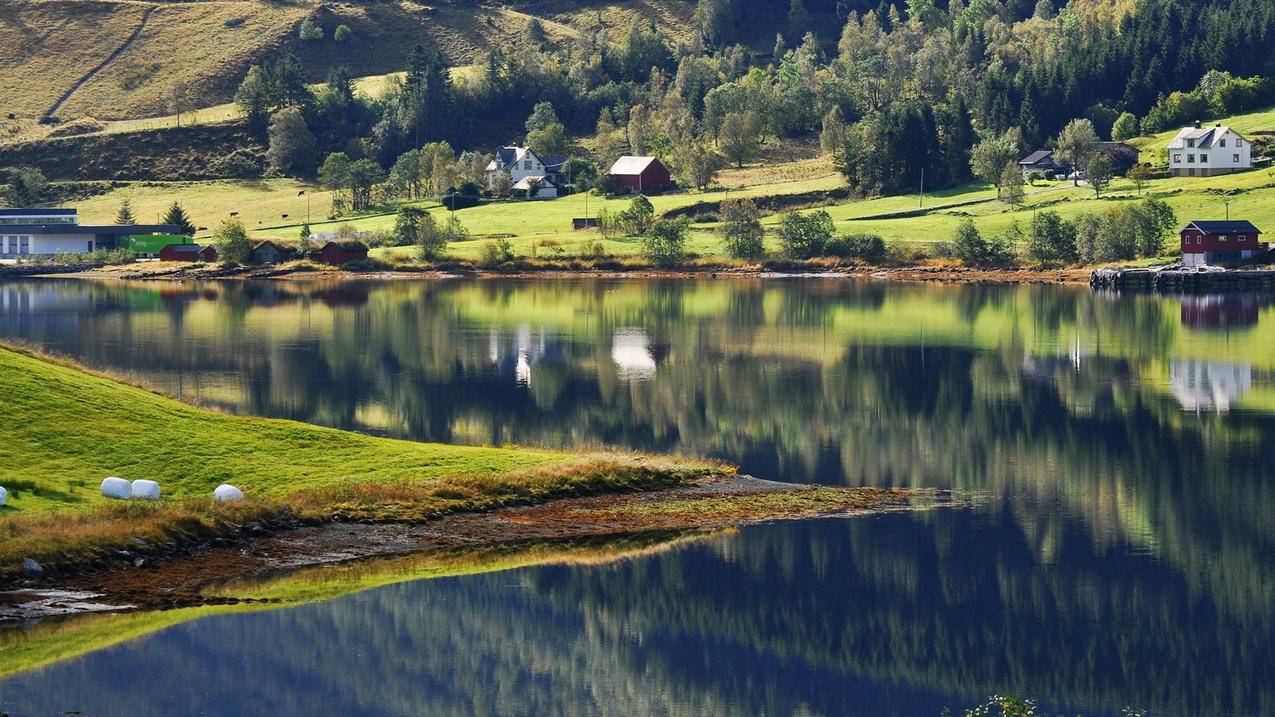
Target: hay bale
column 227, row 494
column 117, row 488
column 4, row 496
column 145, row 490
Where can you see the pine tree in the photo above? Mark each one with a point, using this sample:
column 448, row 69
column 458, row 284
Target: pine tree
column 125, row 215
column 176, row 216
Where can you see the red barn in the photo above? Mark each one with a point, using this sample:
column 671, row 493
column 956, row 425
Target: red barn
column 643, row 175
column 341, row 252
column 188, row 252
column 1205, row 242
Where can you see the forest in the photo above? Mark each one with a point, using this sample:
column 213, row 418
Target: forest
column 903, row 91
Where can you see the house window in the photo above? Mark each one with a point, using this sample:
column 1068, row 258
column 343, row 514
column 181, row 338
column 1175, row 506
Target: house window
column 1204, row 158
column 1190, row 143
column 1235, row 158
column 1221, row 143
column 526, row 164
column 1190, row 159
column 1238, row 143
column 1177, row 159
column 24, row 245
column 1221, row 237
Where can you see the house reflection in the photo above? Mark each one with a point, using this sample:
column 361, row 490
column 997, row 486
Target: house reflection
column 1200, row 385
column 1220, row 311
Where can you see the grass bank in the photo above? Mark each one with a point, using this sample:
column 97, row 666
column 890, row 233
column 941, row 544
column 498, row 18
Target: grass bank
column 68, row 429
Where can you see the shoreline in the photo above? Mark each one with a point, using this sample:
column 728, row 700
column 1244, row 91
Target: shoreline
column 182, row 576
column 903, row 274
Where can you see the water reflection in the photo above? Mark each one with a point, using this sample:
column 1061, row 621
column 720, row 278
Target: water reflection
column 1109, row 434
column 899, row 615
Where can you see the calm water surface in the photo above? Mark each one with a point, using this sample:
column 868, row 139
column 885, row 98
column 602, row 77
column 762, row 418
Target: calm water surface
column 1121, row 551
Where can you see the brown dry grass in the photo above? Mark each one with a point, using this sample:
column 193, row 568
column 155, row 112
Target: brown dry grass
column 46, row 46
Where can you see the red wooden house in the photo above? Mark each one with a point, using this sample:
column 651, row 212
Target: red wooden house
column 188, row 252
column 340, row 252
column 1206, row 242
column 643, row 175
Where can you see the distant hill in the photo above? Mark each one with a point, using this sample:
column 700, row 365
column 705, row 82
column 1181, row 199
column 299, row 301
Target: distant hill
column 122, row 59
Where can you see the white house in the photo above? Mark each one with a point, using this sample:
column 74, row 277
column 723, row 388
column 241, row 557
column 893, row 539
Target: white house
column 49, row 232
column 1207, row 151
column 521, row 163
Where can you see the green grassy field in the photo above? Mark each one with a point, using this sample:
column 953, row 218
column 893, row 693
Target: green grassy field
column 70, row 429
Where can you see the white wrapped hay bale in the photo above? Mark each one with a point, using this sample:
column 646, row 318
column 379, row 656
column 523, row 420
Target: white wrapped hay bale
column 117, row 488
column 145, row 490
column 227, row 494
column 4, row 496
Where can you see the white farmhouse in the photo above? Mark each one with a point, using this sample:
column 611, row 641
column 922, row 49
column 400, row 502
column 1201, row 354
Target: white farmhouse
column 521, row 163
column 1207, row 151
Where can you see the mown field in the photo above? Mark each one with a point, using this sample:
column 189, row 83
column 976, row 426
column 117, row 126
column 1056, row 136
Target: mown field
column 48, row 47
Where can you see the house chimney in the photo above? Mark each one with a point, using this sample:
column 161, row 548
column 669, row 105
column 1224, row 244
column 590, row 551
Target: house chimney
column 1197, row 124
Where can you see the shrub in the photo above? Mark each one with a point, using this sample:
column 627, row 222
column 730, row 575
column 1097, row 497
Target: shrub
column 973, row 250
column 741, row 229
column 640, row 215
column 310, row 31
column 231, row 240
column 867, row 247
column 594, row 249
column 665, row 242
column 494, row 253
column 1051, row 239
column 804, row 236
column 342, row 33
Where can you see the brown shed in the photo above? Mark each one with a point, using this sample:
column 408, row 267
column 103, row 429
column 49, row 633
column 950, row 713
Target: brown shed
column 341, row 252
column 271, row 252
column 188, row 252
column 643, row 175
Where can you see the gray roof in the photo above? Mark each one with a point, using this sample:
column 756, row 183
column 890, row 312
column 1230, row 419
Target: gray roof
column 95, row 229
column 1235, row 226
column 18, row 212
column 1037, row 156
column 631, row 165
column 186, row 248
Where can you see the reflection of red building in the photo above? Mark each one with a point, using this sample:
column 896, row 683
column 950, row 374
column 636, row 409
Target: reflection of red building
column 1219, row 311
column 346, row 295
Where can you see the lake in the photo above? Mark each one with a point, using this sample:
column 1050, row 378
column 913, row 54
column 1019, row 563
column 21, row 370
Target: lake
column 1120, row 549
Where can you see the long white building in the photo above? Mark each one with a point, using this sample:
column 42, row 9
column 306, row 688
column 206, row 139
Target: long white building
column 48, row 232
column 1207, row 151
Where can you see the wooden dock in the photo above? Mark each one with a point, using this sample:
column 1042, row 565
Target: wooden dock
column 1179, row 280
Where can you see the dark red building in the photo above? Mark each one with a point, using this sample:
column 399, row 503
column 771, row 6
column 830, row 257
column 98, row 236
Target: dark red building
column 643, row 175
column 1206, row 242
column 341, row 252
column 188, row 252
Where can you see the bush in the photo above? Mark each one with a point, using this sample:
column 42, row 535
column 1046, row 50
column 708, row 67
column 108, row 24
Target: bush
column 640, row 215
column 1051, row 239
column 665, row 242
column 973, row 250
column 494, row 253
column 232, row 242
column 741, row 229
column 342, row 33
column 867, row 247
column 594, row 249
column 804, row 236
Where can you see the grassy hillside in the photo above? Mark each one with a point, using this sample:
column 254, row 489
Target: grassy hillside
column 52, row 47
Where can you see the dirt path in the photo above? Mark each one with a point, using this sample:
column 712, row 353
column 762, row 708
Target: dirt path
column 137, row 31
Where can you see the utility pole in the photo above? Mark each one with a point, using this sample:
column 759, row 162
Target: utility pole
column 1227, row 203
column 922, row 203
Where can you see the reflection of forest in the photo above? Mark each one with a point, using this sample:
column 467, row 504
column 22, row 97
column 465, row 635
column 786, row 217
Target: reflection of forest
column 893, row 615
column 1053, row 393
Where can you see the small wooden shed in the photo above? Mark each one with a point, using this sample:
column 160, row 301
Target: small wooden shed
column 341, row 252
column 188, row 252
